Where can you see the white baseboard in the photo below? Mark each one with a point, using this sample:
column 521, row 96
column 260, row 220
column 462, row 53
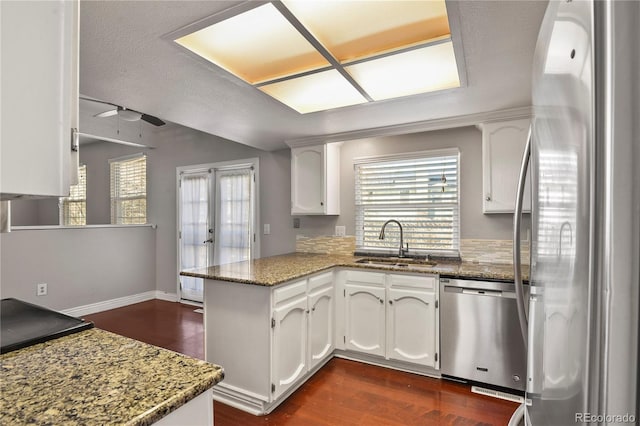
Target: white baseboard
column 169, row 297
column 119, row 302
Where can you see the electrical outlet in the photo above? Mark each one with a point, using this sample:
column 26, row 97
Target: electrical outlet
column 41, row 289
column 341, row 230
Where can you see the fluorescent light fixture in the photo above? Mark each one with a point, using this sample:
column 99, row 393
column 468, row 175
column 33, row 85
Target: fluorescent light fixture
column 256, row 46
column 315, row 92
column 356, row 29
column 297, row 51
column 417, row 71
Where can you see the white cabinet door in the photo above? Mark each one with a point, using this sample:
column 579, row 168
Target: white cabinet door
column 307, row 180
column 365, row 318
column 289, row 343
column 411, row 326
column 321, row 325
column 39, row 97
column 315, row 180
column 503, row 144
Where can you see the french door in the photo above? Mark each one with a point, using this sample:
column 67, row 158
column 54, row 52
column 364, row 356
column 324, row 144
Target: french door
column 216, row 219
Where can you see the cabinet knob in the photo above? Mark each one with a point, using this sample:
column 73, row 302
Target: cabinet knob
column 391, row 302
column 321, row 203
column 488, row 197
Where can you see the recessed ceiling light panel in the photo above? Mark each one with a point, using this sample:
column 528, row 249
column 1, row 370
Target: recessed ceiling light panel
column 315, row 92
column 257, row 46
column 421, row 70
column 356, row 29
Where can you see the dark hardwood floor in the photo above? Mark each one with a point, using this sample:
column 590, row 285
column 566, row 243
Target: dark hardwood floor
column 342, row 393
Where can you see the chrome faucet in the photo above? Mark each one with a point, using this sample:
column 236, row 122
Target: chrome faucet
column 401, row 251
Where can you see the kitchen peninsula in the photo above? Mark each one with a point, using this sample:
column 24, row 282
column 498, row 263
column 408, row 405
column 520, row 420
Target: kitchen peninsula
column 95, row 378
column 282, row 318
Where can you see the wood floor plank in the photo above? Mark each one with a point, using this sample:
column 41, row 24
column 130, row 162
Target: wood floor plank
column 343, row 392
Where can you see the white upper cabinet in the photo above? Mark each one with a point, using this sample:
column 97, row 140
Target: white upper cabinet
column 315, row 180
column 39, row 97
column 503, row 144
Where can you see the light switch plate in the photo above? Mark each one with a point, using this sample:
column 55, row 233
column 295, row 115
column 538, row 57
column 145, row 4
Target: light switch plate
column 341, row 230
column 267, row 228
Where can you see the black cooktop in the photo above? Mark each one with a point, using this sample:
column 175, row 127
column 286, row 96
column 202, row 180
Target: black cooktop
column 23, row 324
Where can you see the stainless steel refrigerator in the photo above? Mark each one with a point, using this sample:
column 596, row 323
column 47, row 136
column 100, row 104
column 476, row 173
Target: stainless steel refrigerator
column 580, row 318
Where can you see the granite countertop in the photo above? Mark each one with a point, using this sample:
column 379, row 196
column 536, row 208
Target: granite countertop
column 274, row 270
column 95, row 378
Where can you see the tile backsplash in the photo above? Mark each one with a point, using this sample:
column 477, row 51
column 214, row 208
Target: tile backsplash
column 471, row 250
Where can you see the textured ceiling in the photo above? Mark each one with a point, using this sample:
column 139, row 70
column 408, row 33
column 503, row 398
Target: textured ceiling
column 125, row 60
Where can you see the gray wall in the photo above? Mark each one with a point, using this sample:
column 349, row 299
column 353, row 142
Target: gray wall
column 80, row 266
column 473, row 223
column 180, row 146
column 175, row 146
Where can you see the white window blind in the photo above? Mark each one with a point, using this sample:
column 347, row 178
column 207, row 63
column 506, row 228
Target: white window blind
column 420, row 191
column 73, row 209
column 129, row 190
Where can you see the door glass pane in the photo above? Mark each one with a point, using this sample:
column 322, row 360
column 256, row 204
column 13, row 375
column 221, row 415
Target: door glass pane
column 234, row 231
column 194, row 204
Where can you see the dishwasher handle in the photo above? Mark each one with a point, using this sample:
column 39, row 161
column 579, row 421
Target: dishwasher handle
column 480, row 292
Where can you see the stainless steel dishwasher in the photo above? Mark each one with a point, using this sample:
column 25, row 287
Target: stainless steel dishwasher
column 480, row 334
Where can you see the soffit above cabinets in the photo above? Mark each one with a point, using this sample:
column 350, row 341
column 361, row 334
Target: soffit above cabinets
column 319, row 55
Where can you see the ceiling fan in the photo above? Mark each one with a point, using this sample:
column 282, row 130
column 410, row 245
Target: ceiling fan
column 125, row 113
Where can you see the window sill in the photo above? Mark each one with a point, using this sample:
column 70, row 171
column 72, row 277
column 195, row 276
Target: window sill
column 49, row 227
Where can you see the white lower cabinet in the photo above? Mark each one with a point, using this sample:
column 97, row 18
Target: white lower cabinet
column 289, row 362
column 413, row 323
column 365, row 312
column 269, row 340
column 321, row 318
column 303, row 322
column 392, row 316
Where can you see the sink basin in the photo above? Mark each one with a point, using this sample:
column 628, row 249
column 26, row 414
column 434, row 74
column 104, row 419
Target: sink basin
column 396, row 262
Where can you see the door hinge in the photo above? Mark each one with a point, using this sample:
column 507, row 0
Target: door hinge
column 436, row 356
column 254, row 238
column 273, row 388
column 344, row 339
column 273, row 323
column 179, row 234
column 344, row 293
column 436, row 304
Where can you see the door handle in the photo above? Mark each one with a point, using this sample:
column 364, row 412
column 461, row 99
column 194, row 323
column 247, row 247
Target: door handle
column 210, row 240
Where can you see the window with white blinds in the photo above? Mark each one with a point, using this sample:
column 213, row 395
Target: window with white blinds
column 73, row 209
column 129, row 190
column 420, row 191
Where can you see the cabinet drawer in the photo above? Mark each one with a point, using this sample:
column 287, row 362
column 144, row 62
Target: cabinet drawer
column 365, row 277
column 425, row 282
column 289, row 291
column 321, row 280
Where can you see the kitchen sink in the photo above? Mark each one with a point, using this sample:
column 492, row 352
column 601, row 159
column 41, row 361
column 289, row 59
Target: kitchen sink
column 397, row 262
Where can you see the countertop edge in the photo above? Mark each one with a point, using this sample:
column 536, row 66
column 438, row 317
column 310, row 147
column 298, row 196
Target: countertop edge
column 344, row 264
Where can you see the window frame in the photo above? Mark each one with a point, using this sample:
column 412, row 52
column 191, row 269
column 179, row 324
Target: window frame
column 456, row 237
column 65, row 202
column 116, row 201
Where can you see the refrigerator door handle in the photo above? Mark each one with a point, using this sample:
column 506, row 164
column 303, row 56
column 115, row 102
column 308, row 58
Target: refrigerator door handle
column 517, row 219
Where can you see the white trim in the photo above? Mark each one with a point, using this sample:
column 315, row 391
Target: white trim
column 169, row 297
column 106, row 305
column 254, row 163
column 415, row 127
column 37, row 227
column 127, row 157
column 118, row 141
column 119, row 302
column 405, row 156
